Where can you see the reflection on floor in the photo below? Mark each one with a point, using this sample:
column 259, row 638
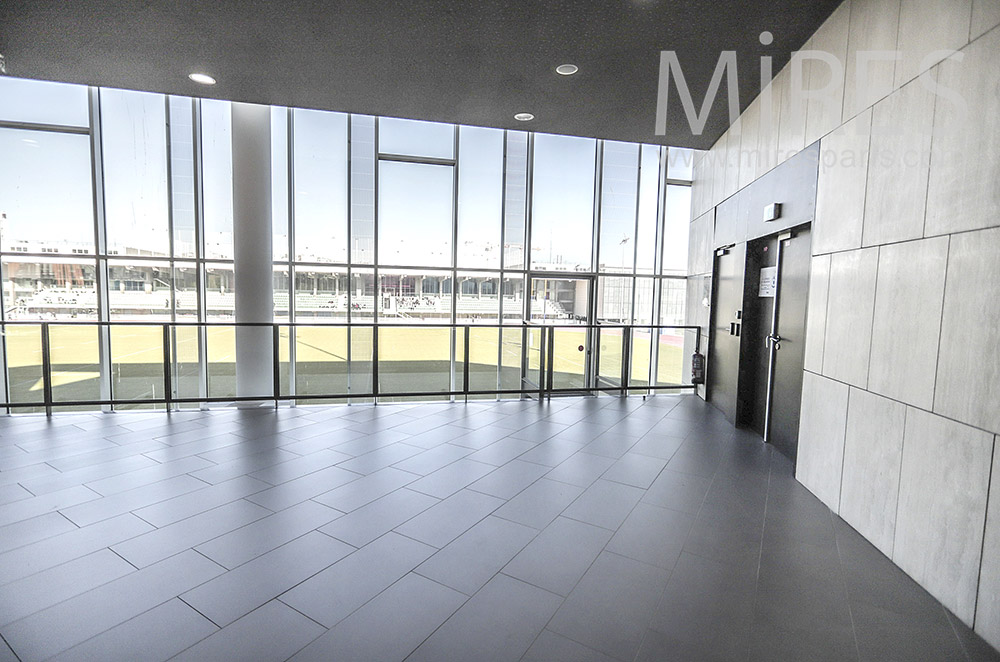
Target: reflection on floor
column 580, row 529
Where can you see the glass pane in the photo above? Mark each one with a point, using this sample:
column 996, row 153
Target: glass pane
column 280, row 297
column 405, row 296
column 515, row 200
column 76, row 362
column 46, row 201
column 644, row 296
column 184, row 352
column 415, row 138
column 136, row 364
column 641, row 348
column 415, row 214
column 510, row 358
column 321, row 360
column 320, row 155
column 140, row 290
column 362, row 189
column 533, row 339
column 609, row 359
column 362, row 295
column 217, row 177
column 512, row 293
column 673, row 303
column 186, row 291
column 284, row 360
column 414, row 360
column 484, row 354
column 279, row 183
column 568, row 359
column 134, row 140
column 562, row 213
column 649, row 197
column 681, row 163
column 361, row 360
column 182, row 176
column 614, row 300
column 221, row 352
column 619, row 189
column 42, row 102
column 49, row 289
column 480, row 196
column 670, row 358
column 559, row 300
column 24, row 362
column 321, row 293
column 478, row 298
column 676, row 223
column 220, row 292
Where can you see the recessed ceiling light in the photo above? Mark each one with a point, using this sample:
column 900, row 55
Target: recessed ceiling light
column 204, row 79
column 524, row 117
column 567, row 69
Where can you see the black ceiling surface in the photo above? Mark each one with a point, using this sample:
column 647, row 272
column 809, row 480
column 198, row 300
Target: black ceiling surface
column 476, row 62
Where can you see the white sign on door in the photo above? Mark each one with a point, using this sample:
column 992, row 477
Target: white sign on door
column 768, row 282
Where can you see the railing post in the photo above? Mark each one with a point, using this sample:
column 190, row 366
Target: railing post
column 626, row 358
column 542, row 355
column 374, row 364
column 550, row 360
column 275, row 364
column 167, row 385
column 46, row 370
column 465, row 365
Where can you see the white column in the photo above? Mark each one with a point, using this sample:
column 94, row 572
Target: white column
column 252, row 247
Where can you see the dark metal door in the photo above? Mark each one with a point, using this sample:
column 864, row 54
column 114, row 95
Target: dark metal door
column 726, row 330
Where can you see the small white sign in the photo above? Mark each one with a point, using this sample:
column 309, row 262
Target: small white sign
column 768, row 282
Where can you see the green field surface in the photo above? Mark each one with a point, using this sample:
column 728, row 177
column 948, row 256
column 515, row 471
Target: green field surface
column 328, row 360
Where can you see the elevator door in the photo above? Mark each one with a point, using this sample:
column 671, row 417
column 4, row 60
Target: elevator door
column 726, row 330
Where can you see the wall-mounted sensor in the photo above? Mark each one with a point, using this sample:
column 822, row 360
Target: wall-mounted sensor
column 772, row 212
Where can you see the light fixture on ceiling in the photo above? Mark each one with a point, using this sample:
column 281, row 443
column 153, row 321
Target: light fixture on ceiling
column 524, row 117
column 203, row 79
column 567, row 69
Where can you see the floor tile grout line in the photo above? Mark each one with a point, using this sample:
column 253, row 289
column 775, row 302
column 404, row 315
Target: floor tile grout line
column 847, row 590
column 760, row 560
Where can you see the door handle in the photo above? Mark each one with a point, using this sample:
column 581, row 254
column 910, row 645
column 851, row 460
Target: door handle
column 772, row 339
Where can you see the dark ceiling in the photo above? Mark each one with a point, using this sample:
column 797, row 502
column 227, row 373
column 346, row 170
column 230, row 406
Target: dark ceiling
column 475, row 62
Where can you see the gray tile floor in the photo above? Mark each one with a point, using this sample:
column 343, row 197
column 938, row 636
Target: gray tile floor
column 580, row 529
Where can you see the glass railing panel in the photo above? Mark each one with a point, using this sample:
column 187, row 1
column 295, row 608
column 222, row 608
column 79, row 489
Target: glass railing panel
column 414, row 360
column 609, row 359
column 321, row 360
column 510, row 359
column 185, row 350
column 75, row 356
column 220, row 341
column 25, row 383
column 137, row 365
column 670, row 360
column 642, row 340
column 569, row 358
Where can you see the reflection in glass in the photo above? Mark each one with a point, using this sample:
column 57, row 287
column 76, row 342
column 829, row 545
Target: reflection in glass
column 480, row 196
column 562, row 200
column 415, row 214
column 49, row 289
column 619, row 185
column 134, row 158
column 415, row 138
column 139, row 290
column 320, row 176
column 46, row 201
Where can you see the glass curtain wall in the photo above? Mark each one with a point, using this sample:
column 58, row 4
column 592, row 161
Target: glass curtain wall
column 399, row 246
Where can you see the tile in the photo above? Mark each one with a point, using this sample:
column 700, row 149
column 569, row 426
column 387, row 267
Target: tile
column 263, row 535
column 872, row 454
column 658, row 445
column 581, row 469
column 819, row 288
column 361, row 526
column 749, row 138
column 149, row 548
column 44, row 589
column 510, row 479
column 540, row 503
column 498, row 623
column 652, row 535
column 850, row 308
column 985, row 17
column 433, row 459
column 271, row 632
column 926, row 28
column 414, row 605
column 452, row 478
column 157, row 634
column 333, row 594
column 791, row 114
column 702, row 238
column 299, row 467
column 503, row 451
column 872, row 37
column 44, row 485
column 199, row 501
column 826, row 79
column 552, row 647
column 148, row 476
column 611, row 445
column 472, row 559
column 964, row 167
column 988, row 604
column 941, row 514
column 50, row 552
column 552, row 452
column 559, row 556
column 364, row 490
column 612, row 605
column 23, row 509
column 122, row 502
column 678, row 491
column 445, row 521
column 73, row 621
column 899, row 165
column 604, row 504
column 821, row 437
column 840, row 196
column 635, row 469
column 32, row 530
column 380, row 458
column 242, row 465
column 240, row 591
column 967, row 379
column 297, row 490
